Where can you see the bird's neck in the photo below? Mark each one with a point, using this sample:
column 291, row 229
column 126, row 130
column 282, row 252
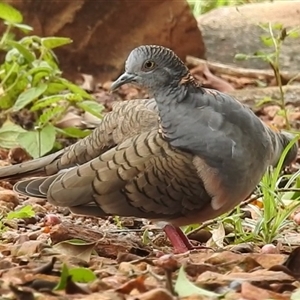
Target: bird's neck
column 176, row 92
column 169, row 96
column 175, row 105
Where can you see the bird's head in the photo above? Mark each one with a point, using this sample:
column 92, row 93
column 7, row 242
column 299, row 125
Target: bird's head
column 152, row 67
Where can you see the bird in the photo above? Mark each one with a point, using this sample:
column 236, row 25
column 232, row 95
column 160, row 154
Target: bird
column 186, row 155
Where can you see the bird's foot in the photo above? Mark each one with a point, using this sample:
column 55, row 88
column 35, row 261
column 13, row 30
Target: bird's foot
column 179, row 240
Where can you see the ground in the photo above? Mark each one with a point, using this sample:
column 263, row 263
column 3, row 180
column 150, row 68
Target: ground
column 131, row 258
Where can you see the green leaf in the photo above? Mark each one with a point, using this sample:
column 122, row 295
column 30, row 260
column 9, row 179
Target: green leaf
column 22, row 213
column 38, row 143
column 25, row 28
column 75, row 89
column 50, row 113
column 46, row 101
column 83, row 275
column 12, row 55
column 92, row 107
column 263, row 101
column 277, row 26
column 63, row 278
column 8, row 135
column 73, row 132
column 29, row 95
column 54, row 42
column 43, row 72
column 6, row 101
column 55, row 88
column 241, row 56
column 23, row 50
column 10, row 14
column 41, row 64
column 40, row 69
column 145, row 237
column 185, row 288
column 188, row 228
column 293, row 34
column 267, row 40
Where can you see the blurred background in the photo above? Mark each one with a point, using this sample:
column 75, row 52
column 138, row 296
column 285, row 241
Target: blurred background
column 104, row 32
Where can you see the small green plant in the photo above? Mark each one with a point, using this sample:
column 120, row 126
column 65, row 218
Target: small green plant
column 82, row 275
column 30, row 78
column 274, row 37
column 23, row 213
column 278, row 205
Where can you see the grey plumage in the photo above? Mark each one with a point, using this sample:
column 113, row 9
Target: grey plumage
column 187, row 156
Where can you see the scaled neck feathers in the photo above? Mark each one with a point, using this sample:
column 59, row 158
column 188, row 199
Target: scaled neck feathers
column 189, row 79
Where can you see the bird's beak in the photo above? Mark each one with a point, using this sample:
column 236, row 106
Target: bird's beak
column 124, row 78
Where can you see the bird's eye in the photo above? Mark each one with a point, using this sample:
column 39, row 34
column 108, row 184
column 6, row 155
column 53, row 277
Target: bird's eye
column 148, row 65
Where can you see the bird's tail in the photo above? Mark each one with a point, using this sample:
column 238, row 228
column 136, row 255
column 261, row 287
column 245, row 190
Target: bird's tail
column 34, row 167
column 280, row 141
column 36, row 187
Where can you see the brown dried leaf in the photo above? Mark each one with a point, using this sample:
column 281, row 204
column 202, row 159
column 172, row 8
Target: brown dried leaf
column 87, row 82
column 271, row 110
column 127, row 257
column 267, row 260
column 17, row 155
column 197, row 269
column 294, row 116
column 205, row 77
column 167, row 262
column 256, row 276
column 154, row 294
column 82, row 250
column 218, row 235
column 251, row 292
column 136, row 283
column 3, row 154
column 279, row 122
column 28, row 248
column 70, row 119
column 9, row 196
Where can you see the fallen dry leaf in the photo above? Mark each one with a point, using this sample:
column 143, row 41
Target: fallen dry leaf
column 251, row 292
column 136, row 283
column 154, row 294
column 75, row 248
column 17, row 155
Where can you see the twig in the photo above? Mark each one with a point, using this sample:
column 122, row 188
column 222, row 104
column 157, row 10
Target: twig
column 241, row 72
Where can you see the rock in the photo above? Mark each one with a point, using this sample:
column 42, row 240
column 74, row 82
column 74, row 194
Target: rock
column 34, row 200
column 51, row 220
column 9, row 196
column 104, row 32
column 230, row 30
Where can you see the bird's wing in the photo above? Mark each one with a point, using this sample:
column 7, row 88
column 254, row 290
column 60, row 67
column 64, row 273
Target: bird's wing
column 127, row 119
column 141, row 177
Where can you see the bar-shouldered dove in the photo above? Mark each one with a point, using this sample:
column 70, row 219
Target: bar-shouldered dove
column 186, row 156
